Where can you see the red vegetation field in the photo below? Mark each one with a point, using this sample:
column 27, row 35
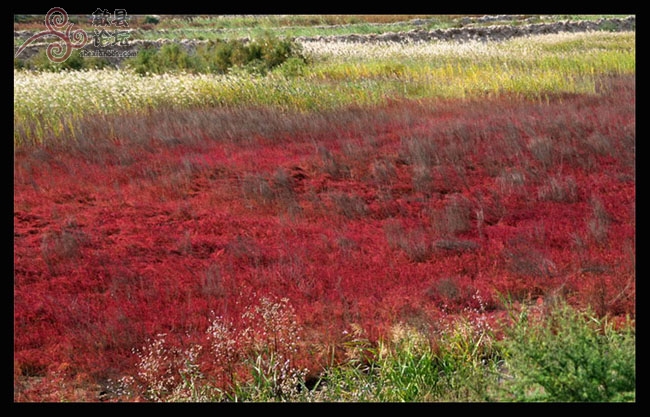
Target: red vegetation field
column 413, row 212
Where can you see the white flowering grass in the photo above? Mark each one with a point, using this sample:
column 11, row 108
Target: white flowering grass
column 534, row 65
column 520, row 48
column 47, row 106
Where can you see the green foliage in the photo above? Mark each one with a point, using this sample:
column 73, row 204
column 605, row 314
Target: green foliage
column 468, row 359
column 567, row 355
column 144, row 61
column 75, row 62
column 170, row 58
column 292, row 67
column 277, row 51
column 409, row 371
column 219, row 57
column 562, row 356
column 151, row 20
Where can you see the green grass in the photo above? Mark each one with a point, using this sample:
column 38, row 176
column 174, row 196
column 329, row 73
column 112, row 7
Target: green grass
column 568, row 355
column 552, row 353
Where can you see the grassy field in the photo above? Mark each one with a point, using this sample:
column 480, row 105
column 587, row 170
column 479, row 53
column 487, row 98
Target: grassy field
column 48, row 105
column 383, row 222
column 211, row 27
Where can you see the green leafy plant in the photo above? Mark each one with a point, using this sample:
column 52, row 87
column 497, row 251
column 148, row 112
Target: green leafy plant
column 257, row 56
column 151, row 20
column 566, row 355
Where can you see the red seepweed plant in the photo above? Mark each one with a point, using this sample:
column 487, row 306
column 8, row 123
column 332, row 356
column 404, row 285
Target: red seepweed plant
column 360, row 219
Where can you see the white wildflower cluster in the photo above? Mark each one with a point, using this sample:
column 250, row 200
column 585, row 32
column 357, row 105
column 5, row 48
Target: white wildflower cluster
column 276, row 327
column 266, row 344
column 273, row 335
column 479, row 315
column 167, row 373
column 155, row 368
column 190, row 387
column 123, row 387
column 223, row 343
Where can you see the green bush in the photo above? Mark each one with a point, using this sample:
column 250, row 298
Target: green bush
column 569, row 356
column 151, row 20
column 75, row 61
column 277, row 51
column 169, row 58
column 144, row 62
column 292, row 67
column 219, row 57
column 172, row 57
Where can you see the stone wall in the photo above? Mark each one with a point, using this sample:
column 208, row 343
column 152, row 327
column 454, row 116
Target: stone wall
column 485, row 33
